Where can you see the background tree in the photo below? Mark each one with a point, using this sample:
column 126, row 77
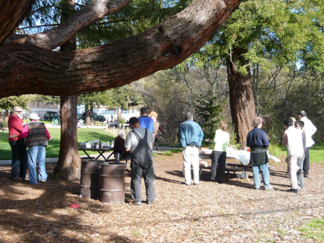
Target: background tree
column 8, row 103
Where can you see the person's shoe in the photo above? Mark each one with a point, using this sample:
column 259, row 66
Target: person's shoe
column 293, row 190
column 42, row 181
column 269, row 188
column 183, row 183
column 138, row 203
column 149, row 202
column 306, row 175
column 195, row 184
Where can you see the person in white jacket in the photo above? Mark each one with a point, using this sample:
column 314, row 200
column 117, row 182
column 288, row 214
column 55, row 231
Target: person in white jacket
column 309, row 130
column 293, row 140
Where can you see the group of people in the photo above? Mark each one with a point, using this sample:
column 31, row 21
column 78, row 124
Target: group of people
column 37, row 137
column 297, row 139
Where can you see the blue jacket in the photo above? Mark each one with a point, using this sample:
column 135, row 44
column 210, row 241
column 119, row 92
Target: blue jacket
column 257, row 138
column 190, row 133
column 146, row 122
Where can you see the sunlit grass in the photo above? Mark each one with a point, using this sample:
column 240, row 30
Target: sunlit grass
column 314, row 230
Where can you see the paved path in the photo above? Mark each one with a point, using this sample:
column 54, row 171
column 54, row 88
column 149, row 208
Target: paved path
column 48, row 160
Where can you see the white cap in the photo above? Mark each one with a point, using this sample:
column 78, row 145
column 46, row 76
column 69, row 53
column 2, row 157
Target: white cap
column 33, row 116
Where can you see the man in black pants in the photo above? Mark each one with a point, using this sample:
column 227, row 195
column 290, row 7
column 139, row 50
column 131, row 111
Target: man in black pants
column 139, row 142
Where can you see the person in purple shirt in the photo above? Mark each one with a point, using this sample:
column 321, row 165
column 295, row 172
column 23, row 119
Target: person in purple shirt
column 146, row 121
column 258, row 142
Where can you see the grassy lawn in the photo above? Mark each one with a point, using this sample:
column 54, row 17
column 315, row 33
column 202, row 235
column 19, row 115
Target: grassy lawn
column 52, row 150
column 314, row 230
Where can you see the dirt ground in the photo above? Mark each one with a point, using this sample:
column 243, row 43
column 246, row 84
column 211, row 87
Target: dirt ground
column 209, row 212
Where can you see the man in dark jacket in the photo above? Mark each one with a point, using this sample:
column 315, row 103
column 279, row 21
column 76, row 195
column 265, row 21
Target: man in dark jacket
column 258, row 142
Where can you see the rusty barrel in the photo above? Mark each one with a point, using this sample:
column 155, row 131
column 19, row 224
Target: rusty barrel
column 90, row 178
column 113, row 182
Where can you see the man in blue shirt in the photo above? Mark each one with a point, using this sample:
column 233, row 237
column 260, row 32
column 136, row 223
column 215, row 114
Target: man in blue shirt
column 190, row 136
column 258, row 142
column 146, row 121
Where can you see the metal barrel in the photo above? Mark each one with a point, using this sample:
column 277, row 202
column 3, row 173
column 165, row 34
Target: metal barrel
column 113, row 182
column 90, row 183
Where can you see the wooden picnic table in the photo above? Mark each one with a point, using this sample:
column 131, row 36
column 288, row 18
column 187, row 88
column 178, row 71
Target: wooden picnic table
column 101, row 152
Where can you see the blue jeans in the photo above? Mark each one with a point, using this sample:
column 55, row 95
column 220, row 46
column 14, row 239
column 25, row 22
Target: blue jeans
column 34, row 153
column 265, row 175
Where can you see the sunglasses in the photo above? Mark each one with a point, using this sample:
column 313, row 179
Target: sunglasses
column 19, row 111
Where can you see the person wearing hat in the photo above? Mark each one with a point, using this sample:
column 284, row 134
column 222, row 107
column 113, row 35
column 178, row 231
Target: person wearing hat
column 156, row 129
column 37, row 138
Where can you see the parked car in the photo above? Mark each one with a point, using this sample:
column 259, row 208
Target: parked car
column 49, row 115
column 96, row 117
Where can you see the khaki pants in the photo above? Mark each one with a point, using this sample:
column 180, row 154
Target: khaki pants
column 293, row 169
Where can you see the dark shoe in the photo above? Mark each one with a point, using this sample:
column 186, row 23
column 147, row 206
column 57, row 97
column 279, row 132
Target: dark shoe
column 293, row 190
column 195, row 184
column 306, row 175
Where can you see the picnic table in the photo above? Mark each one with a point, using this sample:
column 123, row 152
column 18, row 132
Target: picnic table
column 242, row 156
column 101, row 152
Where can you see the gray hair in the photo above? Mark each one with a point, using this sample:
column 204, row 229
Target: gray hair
column 121, row 133
column 256, row 121
column 15, row 107
column 302, row 113
column 189, row 116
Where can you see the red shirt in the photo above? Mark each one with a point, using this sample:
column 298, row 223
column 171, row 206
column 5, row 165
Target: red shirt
column 15, row 126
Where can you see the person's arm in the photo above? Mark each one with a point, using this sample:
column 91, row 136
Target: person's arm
column 265, row 140
column 312, row 128
column 24, row 132
column 48, row 134
column 248, row 140
column 181, row 137
column 284, row 139
column 201, row 136
column 128, row 142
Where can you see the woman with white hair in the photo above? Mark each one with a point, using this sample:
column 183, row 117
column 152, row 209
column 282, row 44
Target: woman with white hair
column 119, row 144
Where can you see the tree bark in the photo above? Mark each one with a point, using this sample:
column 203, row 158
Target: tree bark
column 69, row 164
column 12, row 14
column 241, row 96
column 28, row 69
column 6, row 118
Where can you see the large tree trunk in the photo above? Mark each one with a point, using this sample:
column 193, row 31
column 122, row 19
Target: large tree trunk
column 69, row 163
column 241, row 96
column 27, row 68
column 6, row 118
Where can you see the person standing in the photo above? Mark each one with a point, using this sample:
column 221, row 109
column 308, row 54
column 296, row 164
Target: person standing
column 219, row 153
column 139, row 143
column 258, row 142
column 18, row 147
column 309, row 129
column 156, row 130
column 37, row 138
column 190, row 137
column 293, row 141
column 300, row 161
column 145, row 121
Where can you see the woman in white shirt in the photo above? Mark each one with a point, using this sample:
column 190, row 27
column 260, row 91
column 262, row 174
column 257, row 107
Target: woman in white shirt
column 219, row 153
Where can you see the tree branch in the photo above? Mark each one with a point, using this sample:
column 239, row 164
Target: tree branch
column 81, row 19
column 28, row 69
